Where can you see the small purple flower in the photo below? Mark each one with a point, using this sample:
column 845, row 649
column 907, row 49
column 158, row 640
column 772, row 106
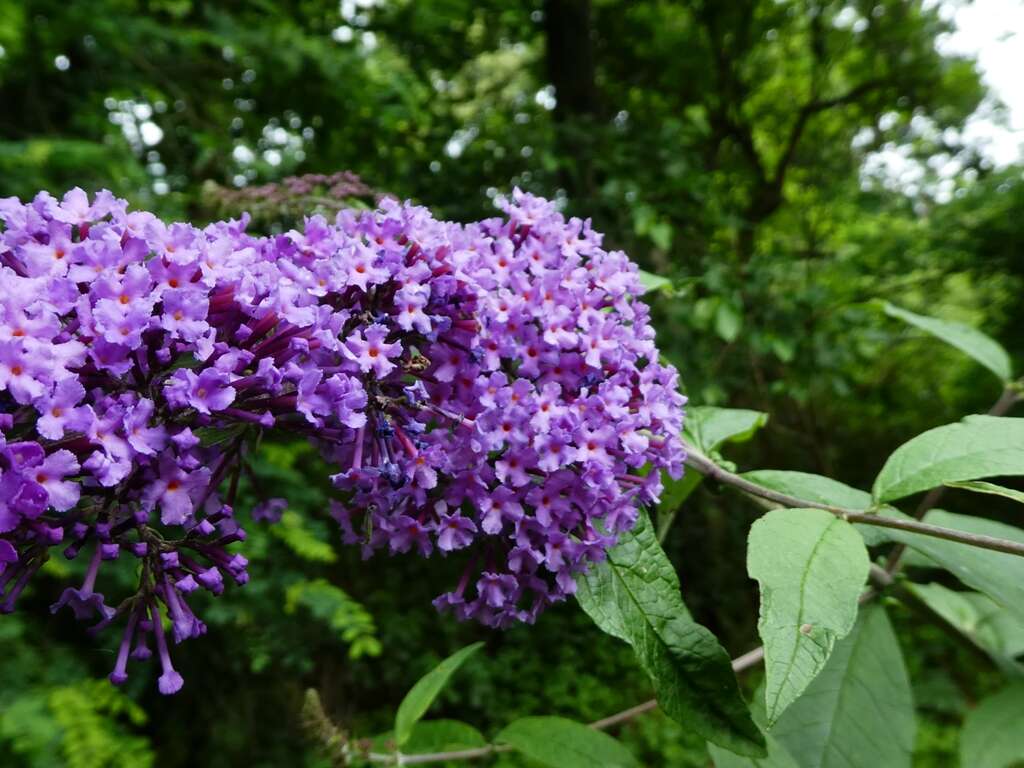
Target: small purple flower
column 62, row 494
column 184, row 623
column 348, row 400
column 107, row 469
column 170, row 681
column 21, row 372
column 59, row 411
column 141, row 436
column 454, row 532
column 410, row 302
column 174, row 491
column 371, row 353
column 407, row 532
column 362, row 270
column 119, row 675
column 21, row 497
column 184, row 313
column 75, row 208
column 208, row 392
column 85, row 602
column 49, row 258
column 499, row 507
column 496, row 589
column 512, row 468
column 269, row 511
column 592, row 445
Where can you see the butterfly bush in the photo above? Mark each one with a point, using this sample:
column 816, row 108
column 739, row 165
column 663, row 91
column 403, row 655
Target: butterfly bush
column 491, row 387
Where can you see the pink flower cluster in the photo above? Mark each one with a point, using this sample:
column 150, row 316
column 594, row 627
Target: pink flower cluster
column 491, row 387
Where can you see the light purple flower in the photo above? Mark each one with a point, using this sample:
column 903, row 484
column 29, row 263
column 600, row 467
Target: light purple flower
column 139, row 432
column 21, row 372
column 174, row 491
column 59, row 411
column 207, row 392
column 454, row 532
column 371, row 353
column 62, row 494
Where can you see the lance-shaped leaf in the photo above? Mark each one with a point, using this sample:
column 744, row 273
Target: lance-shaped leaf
column 968, row 340
column 778, row 756
column 859, row 710
column 677, row 491
column 433, row 736
column 977, row 447
column 561, row 743
column 635, row 597
column 653, row 283
column 419, row 698
column 707, row 426
column 805, row 485
column 998, row 574
column 980, row 486
column 992, row 736
column 811, row 566
column 987, row 624
column 824, row 490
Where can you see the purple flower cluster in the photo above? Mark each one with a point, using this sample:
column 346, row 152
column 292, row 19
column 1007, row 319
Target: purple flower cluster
column 491, row 387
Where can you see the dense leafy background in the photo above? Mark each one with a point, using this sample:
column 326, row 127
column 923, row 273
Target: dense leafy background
column 712, row 140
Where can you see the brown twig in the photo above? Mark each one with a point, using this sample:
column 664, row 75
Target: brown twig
column 701, row 463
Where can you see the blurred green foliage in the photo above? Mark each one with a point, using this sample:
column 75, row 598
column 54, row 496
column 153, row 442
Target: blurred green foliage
column 722, row 144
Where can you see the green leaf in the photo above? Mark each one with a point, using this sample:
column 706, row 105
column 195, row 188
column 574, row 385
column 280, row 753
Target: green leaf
column 332, row 605
column 562, row 743
column 429, row 736
column 805, row 485
column 778, row 757
column 677, row 491
column 811, row 566
column 823, row 490
column 968, row 340
column 653, row 283
column 858, row 711
column 211, row 436
column 989, row 626
column 294, row 530
column 672, row 497
column 634, row 596
column 443, row 736
column 979, row 486
column 998, row 574
column 708, row 426
column 978, row 446
column 991, row 737
column 418, row 700
column 661, row 235
column 728, row 321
